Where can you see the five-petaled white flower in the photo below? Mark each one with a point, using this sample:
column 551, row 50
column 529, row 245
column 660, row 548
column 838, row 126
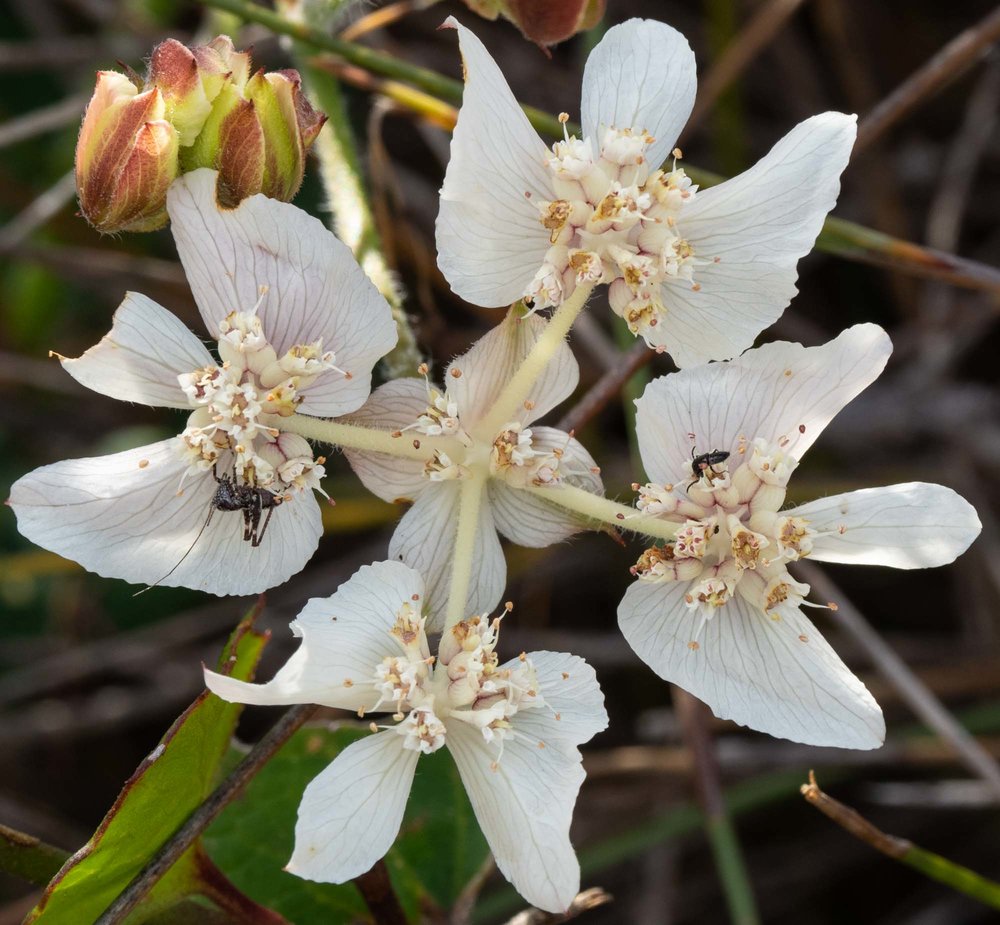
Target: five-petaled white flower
column 717, row 612
column 698, row 273
column 299, row 328
column 512, row 728
column 505, row 461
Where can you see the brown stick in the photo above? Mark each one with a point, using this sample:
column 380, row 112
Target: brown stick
column 376, row 890
column 853, row 821
column 950, row 62
column 607, row 387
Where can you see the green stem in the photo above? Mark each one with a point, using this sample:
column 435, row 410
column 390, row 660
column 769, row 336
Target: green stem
column 511, row 399
column 469, row 503
column 845, row 239
column 732, row 870
column 604, row 510
column 28, row 858
column 353, row 221
column 355, row 437
column 954, row 875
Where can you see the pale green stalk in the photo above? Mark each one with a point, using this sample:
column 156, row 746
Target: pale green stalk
column 356, row 437
column 596, row 507
column 469, row 503
column 511, row 399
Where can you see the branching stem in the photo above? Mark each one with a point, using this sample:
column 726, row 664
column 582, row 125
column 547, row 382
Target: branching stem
column 596, row 507
column 356, row 437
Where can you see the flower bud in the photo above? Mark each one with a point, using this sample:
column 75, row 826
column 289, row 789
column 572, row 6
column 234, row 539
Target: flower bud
column 545, row 23
column 126, row 157
column 200, row 107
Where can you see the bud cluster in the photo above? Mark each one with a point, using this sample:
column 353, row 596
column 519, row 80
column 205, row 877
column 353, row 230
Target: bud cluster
column 198, row 107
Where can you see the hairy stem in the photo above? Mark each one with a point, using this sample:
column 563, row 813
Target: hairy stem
column 469, row 503
column 356, row 437
column 510, row 400
column 604, row 510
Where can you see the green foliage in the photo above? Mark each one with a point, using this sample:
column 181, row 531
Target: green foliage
column 165, row 789
column 439, row 849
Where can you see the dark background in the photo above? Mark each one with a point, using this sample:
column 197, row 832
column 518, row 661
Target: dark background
column 90, row 678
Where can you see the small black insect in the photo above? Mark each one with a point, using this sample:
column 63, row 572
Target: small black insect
column 230, row 495
column 706, row 461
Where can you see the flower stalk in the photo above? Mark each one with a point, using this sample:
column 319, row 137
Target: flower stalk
column 469, row 504
column 356, row 437
column 604, row 510
column 511, row 399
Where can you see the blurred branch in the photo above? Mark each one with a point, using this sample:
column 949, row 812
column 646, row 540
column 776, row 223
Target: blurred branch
column 200, row 819
column 607, row 387
column 376, row 889
column 751, row 40
column 28, row 858
column 383, row 16
column 949, row 63
column 693, row 716
column 42, row 120
column 44, row 207
column 899, row 849
column 914, row 692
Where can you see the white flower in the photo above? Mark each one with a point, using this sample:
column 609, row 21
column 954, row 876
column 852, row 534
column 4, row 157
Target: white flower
column 299, row 328
column 698, row 273
column 717, row 612
column 506, row 461
column 512, row 728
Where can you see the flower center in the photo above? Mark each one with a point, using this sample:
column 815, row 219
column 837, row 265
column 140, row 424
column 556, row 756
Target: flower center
column 614, row 221
column 732, row 539
column 464, row 684
column 230, row 399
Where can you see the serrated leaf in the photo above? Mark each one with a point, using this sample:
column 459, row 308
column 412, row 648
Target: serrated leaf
column 439, row 848
column 165, row 789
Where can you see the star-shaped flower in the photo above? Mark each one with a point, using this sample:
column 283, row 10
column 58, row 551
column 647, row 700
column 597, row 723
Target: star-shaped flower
column 697, row 272
column 512, row 728
column 717, row 612
column 299, row 327
column 494, row 461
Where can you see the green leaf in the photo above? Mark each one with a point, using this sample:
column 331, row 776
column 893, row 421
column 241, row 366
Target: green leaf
column 439, row 848
column 165, row 789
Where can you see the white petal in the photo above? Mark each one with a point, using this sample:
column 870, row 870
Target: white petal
column 490, row 239
column 777, row 676
column 315, row 288
column 575, row 703
column 914, row 525
column 344, row 638
column 492, row 360
column 351, row 813
column 641, row 75
column 759, row 225
column 425, row 540
column 121, row 516
column 528, row 520
column 141, row 357
column 524, row 808
column 778, row 390
column 391, row 407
